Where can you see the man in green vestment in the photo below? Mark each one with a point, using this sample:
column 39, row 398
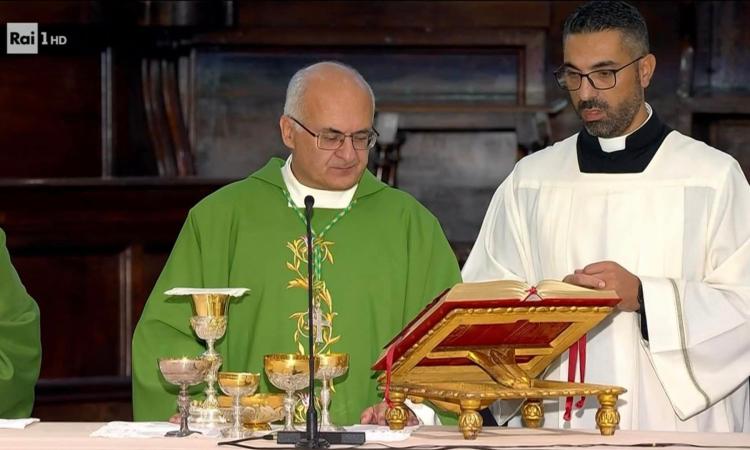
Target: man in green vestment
column 381, row 255
column 20, row 342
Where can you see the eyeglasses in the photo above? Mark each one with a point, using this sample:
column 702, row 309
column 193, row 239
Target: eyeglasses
column 602, row 79
column 333, row 140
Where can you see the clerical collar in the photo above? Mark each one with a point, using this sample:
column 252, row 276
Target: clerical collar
column 614, row 144
column 639, row 148
column 323, row 199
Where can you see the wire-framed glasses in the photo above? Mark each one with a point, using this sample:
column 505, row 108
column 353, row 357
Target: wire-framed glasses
column 570, row 80
column 334, row 140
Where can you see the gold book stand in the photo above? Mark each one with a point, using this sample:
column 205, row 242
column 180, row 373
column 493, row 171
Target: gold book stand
column 464, row 356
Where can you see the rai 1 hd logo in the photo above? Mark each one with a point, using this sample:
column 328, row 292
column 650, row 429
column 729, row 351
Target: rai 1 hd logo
column 25, row 38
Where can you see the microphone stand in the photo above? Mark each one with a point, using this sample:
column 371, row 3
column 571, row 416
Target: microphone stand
column 312, row 437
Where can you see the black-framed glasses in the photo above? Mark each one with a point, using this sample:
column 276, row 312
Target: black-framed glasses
column 334, row 140
column 601, row 79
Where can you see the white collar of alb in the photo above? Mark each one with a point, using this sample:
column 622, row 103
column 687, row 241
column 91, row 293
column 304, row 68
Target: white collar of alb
column 615, row 144
column 323, row 198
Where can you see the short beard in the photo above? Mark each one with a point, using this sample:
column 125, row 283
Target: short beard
column 617, row 120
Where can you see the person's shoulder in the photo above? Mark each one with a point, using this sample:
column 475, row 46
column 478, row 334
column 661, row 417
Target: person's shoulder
column 397, row 202
column 696, row 155
column 400, row 199
column 227, row 197
column 252, row 190
column 695, row 162
column 549, row 160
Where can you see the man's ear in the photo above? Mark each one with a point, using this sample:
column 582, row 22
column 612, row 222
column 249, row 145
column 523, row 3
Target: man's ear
column 646, row 69
column 287, row 131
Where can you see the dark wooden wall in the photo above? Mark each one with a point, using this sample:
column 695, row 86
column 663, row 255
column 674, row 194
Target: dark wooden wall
column 106, row 142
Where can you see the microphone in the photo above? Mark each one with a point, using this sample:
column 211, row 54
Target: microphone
column 312, row 415
column 313, row 437
column 309, row 202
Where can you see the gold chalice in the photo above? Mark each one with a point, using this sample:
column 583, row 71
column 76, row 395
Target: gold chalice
column 183, row 372
column 237, row 385
column 289, row 372
column 257, row 411
column 330, row 366
column 210, row 324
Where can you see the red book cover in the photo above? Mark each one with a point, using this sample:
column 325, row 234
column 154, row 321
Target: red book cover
column 489, row 295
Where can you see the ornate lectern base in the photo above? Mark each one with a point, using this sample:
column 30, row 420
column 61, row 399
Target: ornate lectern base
column 466, row 399
column 396, row 415
column 470, row 421
column 532, row 413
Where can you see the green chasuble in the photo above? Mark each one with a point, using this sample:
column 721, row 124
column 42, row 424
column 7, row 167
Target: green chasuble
column 20, row 342
column 382, row 261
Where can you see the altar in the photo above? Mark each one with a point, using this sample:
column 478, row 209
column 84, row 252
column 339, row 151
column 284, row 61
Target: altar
column 76, row 435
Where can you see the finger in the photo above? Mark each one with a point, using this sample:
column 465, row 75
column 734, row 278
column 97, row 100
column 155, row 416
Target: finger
column 378, row 413
column 367, row 416
column 413, row 420
column 599, row 267
column 587, row 281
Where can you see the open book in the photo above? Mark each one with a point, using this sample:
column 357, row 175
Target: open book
column 517, row 330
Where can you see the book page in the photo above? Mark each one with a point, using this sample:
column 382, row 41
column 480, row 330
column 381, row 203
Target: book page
column 500, row 289
column 558, row 289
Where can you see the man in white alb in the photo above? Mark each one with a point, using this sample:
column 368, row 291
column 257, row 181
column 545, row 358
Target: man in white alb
column 630, row 205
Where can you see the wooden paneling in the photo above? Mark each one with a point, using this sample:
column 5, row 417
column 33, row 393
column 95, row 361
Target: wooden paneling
column 400, row 14
column 731, row 133
column 77, row 293
column 714, row 99
column 89, row 251
column 51, row 12
column 50, row 116
column 91, row 399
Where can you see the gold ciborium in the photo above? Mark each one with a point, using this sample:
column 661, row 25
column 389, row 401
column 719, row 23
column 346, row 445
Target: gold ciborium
column 237, row 385
column 210, row 324
column 257, row 411
column 330, row 366
column 183, row 372
column 289, row 372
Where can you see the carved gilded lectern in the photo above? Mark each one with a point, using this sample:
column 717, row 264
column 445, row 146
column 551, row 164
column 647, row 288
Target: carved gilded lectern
column 481, row 342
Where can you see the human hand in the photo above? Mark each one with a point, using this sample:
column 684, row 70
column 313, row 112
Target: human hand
column 375, row 415
column 612, row 276
column 175, row 418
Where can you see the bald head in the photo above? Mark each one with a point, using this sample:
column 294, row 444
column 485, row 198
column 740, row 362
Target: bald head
column 324, row 74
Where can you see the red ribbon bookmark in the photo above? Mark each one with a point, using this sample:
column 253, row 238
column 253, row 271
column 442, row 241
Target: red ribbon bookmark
column 576, row 350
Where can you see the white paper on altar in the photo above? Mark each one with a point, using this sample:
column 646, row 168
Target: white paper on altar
column 232, row 292
column 147, row 430
column 17, row 424
column 383, row 433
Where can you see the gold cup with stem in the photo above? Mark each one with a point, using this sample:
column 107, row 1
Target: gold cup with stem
column 330, row 366
column 289, row 372
column 210, row 324
column 237, row 385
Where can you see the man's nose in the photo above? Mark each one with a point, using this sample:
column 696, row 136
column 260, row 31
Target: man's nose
column 587, row 90
column 347, row 150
